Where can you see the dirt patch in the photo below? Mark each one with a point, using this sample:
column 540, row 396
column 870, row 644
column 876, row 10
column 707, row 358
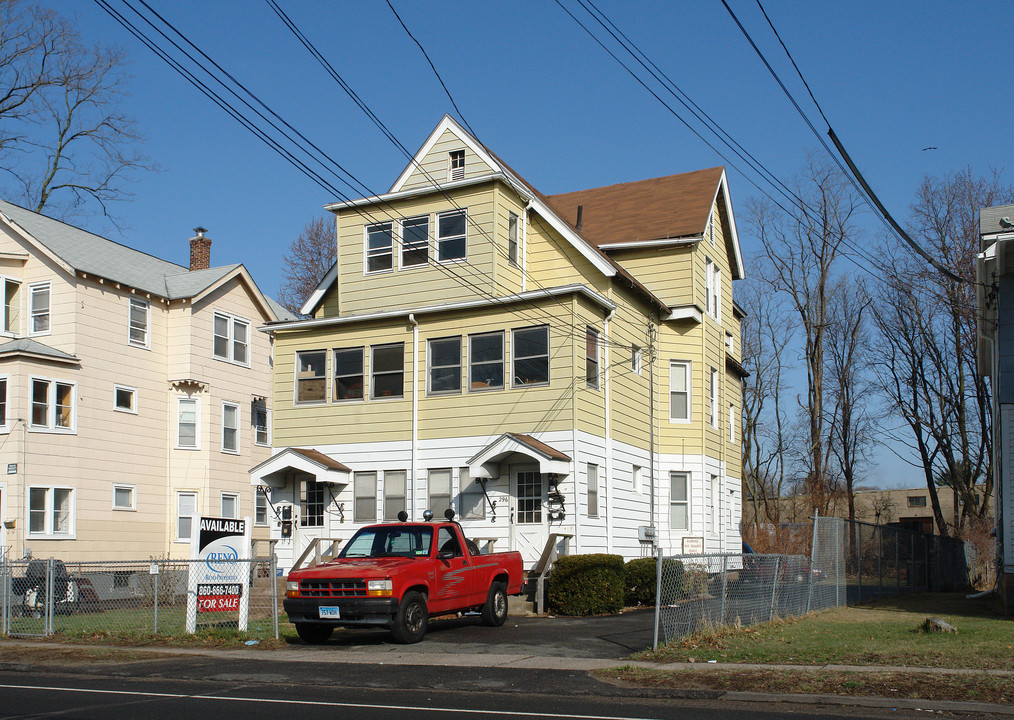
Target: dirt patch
column 978, row 687
column 22, row 655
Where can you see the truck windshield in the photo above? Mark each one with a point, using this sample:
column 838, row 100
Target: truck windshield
column 389, row 542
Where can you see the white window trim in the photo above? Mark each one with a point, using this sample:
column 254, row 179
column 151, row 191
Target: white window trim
column 366, row 247
column 197, row 514
column 436, row 237
column 231, row 451
column 197, row 423
column 515, row 241
column 588, row 488
column 636, row 359
column 549, row 357
column 31, row 307
column 467, row 379
column 259, row 496
column 689, row 374
column 4, row 280
column 221, row 504
column 6, row 399
column 593, row 383
column 147, row 322
column 267, row 427
column 50, row 426
column 401, row 246
column 48, row 533
column 133, row 395
column 732, row 423
column 453, row 176
column 688, row 479
column 133, row 497
column 230, row 346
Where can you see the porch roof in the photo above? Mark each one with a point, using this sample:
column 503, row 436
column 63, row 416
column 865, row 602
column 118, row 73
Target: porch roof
column 486, row 463
column 324, row 469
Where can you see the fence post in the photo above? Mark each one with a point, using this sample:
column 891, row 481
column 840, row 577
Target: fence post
column 859, row 563
column 274, row 591
column 774, row 586
column 47, row 613
column 658, row 595
column 837, row 564
column 880, row 562
column 897, row 564
column 158, row 571
column 813, row 559
column 725, row 584
column 6, row 592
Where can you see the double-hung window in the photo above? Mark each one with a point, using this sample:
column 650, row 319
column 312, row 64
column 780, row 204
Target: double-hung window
column 230, row 427
column 451, row 235
column 485, row 361
column 713, row 404
column 186, row 424
column 51, row 512
column 593, row 490
column 713, row 283
column 445, row 365
column 379, row 247
column 137, row 322
column 38, row 309
column 679, row 391
column 348, row 373
column 260, row 506
column 53, row 405
column 394, row 493
column 732, row 423
column 438, row 482
column 311, row 379
column 3, row 404
column 230, row 505
column 261, row 421
column 512, row 239
column 635, row 359
column 591, row 358
column 530, row 352
column 679, row 501
column 387, row 370
column 12, row 306
column 232, row 339
column 186, row 510
column 365, row 489
column 415, row 238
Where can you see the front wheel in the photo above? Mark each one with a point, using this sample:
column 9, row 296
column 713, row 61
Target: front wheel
column 313, row 633
column 494, row 612
column 411, row 620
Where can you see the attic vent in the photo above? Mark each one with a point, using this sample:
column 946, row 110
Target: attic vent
column 456, row 165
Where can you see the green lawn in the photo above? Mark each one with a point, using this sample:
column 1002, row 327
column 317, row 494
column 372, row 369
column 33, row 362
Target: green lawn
column 886, row 632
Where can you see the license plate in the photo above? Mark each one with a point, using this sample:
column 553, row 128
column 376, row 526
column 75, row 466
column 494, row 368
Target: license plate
column 330, row 612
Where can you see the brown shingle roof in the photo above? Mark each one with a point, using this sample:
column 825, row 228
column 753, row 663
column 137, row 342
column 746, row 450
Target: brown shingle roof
column 321, row 458
column 675, row 206
column 547, row 450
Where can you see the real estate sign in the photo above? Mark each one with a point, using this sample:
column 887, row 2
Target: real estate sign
column 219, row 577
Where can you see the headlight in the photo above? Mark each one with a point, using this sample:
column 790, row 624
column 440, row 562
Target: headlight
column 291, row 588
column 379, row 588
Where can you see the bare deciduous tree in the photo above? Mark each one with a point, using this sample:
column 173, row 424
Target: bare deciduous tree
column 310, row 257
column 64, row 143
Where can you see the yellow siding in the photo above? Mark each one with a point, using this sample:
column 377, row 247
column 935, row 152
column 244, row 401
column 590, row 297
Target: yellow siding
column 667, row 272
column 433, row 168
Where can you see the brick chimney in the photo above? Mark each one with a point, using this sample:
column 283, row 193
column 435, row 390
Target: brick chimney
column 200, row 250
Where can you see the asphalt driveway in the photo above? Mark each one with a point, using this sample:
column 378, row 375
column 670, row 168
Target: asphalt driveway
column 608, row 637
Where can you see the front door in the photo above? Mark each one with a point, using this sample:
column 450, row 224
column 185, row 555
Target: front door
column 529, row 524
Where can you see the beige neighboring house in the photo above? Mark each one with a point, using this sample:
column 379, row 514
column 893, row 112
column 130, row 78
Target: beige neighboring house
column 134, row 393
column 563, row 371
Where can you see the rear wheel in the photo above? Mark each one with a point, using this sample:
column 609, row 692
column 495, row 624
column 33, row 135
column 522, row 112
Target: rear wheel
column 494, row 612
column 411, row 620
column 313, row 633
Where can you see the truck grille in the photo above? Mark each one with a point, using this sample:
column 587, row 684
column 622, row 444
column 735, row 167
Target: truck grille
column 332, row 588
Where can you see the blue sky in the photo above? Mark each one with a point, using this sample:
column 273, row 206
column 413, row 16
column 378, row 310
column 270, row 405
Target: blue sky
column 893, row 78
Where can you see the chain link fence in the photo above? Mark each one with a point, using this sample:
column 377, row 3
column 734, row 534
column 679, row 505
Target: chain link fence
column 702, row 592
column 135, row 599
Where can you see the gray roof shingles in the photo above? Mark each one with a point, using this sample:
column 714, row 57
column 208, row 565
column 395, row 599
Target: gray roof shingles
column 33, row 347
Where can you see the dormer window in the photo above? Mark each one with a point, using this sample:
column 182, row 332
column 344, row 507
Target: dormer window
column 456, row 165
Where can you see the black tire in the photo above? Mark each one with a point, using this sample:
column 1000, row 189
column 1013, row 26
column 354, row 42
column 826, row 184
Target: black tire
column 411, row 620
column 313, row 633
column 494, row 612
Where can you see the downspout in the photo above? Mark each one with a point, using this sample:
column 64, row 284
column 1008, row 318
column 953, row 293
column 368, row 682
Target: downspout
column 652, row 352
column 24, row 482
column 415, row 414
column 608, row 474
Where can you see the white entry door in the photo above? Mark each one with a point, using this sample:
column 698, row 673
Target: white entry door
column 529, row 524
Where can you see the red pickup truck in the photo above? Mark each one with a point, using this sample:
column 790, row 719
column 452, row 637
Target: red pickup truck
column 398, row 575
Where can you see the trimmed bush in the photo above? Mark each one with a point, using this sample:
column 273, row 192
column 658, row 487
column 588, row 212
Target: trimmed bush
column 639, row 581
column 586, row 585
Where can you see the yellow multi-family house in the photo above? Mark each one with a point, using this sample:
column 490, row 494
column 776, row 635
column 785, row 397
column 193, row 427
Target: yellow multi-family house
column 557, row 369
column 134, row 393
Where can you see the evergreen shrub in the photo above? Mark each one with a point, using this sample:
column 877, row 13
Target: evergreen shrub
column 586, row 585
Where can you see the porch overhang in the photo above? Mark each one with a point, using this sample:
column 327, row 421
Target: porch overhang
column 486, row 463
column 274, row 471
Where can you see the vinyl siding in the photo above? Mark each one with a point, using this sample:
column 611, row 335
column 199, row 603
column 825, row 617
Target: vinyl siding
column 433, row 168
